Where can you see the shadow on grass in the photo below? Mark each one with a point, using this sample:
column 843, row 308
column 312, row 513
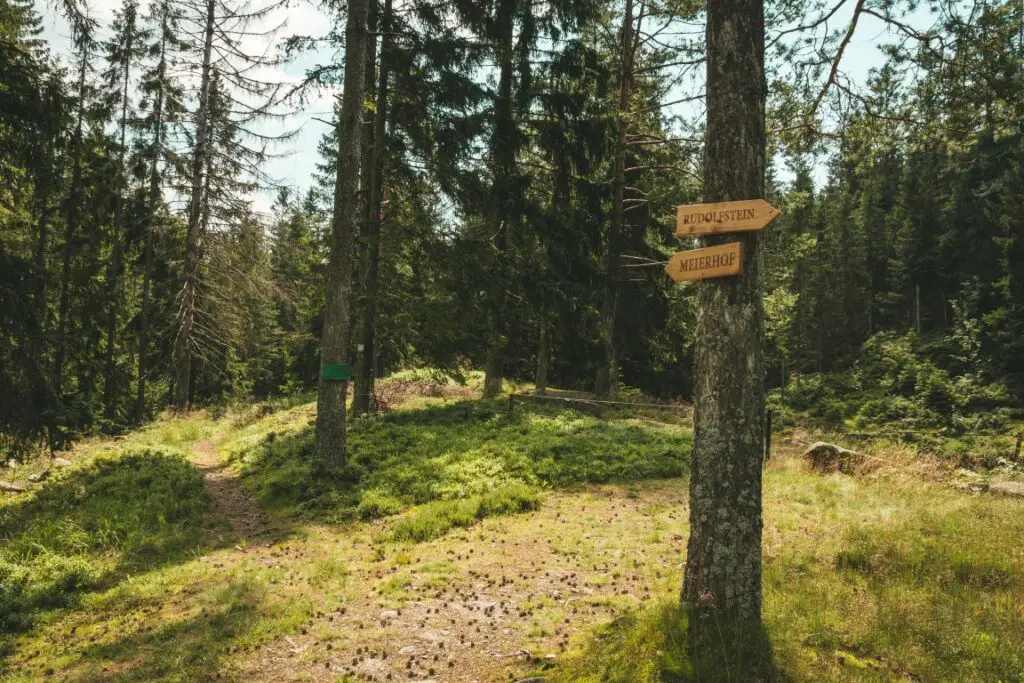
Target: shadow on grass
column 90, row 527
column 192, row 648
column 658, row 644
column 456, row 451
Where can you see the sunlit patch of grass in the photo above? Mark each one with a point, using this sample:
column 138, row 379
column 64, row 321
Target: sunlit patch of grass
column 327, row 571
column 394, row 590
column 94, row 524
column 436, row 519
column 447, row 452
column 182, row 622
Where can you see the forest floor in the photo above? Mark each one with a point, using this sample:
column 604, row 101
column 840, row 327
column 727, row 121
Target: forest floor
column 198, row 548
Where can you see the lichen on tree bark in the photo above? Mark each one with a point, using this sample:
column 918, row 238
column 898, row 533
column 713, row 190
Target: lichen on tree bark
column 723, row 570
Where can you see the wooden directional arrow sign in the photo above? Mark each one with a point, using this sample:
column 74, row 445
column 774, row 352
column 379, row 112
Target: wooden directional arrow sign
column 703, row 264
column 708, row 219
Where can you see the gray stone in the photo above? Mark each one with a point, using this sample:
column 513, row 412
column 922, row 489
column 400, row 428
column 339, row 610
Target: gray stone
column 61, row 462
column 1008, row 488
column 828, row 457
column 373, row 667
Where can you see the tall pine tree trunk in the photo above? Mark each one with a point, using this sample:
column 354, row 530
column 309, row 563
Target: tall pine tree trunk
column 329, row 449
column 607, row 378
column 74, row 213
column 541, row 380
column 184, row 343
column 503, row 157
column 723, row 565
column 364, row 384
column 116, row 233
column 147, row 229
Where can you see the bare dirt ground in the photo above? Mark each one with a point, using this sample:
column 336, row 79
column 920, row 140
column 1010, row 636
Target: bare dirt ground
column 228, row 497
column 490, row 603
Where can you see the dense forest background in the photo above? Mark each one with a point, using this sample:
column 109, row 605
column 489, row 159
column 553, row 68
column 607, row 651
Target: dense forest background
column 521, row 167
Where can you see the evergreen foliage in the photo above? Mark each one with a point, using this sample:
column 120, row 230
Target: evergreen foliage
column 497, row 190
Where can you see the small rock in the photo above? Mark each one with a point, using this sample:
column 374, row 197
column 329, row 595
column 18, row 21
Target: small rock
column 61, row 462
column 1008, row 488
column 13, row 464
column 407, row 650
column 828, row 457
column 39, row 476
column 389, row 614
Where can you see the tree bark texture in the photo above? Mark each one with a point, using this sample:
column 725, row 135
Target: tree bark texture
column 503, row 155
column 541, row 382
column 152, row 200
column 71, row 228
column 723, row 568
column 117, row 232
column 184, row 343
column 329, row 448
column 364, row 384
column 606, row 380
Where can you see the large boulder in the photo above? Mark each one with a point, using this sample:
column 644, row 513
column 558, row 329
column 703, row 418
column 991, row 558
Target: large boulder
column 828, row 457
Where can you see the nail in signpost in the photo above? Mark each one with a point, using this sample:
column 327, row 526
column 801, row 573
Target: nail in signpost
column 703, row 264
column 711, row 219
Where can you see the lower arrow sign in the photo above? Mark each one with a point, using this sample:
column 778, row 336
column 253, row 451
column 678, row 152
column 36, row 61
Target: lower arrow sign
column 707, row 263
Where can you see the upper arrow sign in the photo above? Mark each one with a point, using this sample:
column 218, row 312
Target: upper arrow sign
column 708, row 219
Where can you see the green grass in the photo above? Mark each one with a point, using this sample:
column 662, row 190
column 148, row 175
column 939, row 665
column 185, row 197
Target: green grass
column 653, row 644
column 865, row 579
column 469, row 451
column 92, row 525
column 435, row 519
column 116, row 570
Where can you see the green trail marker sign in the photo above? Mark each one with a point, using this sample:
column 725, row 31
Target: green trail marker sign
column 336, row 372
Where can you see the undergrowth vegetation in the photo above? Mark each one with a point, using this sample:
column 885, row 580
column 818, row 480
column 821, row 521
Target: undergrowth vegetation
column 88, row 525
column 894, row 392
column 467, row 460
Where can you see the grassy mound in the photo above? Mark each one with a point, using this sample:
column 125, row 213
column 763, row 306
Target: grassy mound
column 468, row 459
column 91, row 524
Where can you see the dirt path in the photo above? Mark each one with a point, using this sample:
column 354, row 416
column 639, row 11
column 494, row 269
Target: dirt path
column 230, row 499
column 496, row 602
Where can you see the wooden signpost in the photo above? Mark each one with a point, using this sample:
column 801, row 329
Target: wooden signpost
column 702, row 264
column 710, row 219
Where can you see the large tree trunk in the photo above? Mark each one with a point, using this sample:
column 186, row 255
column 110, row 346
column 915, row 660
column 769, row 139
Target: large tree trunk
column 723, row 565
column 371, row 281
column 503, row 156
column 74, row 213
column 329, row 449
column 147, row 229
column 541, row 380
column 116, row 232
column 607, row 378
column 184, row 344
